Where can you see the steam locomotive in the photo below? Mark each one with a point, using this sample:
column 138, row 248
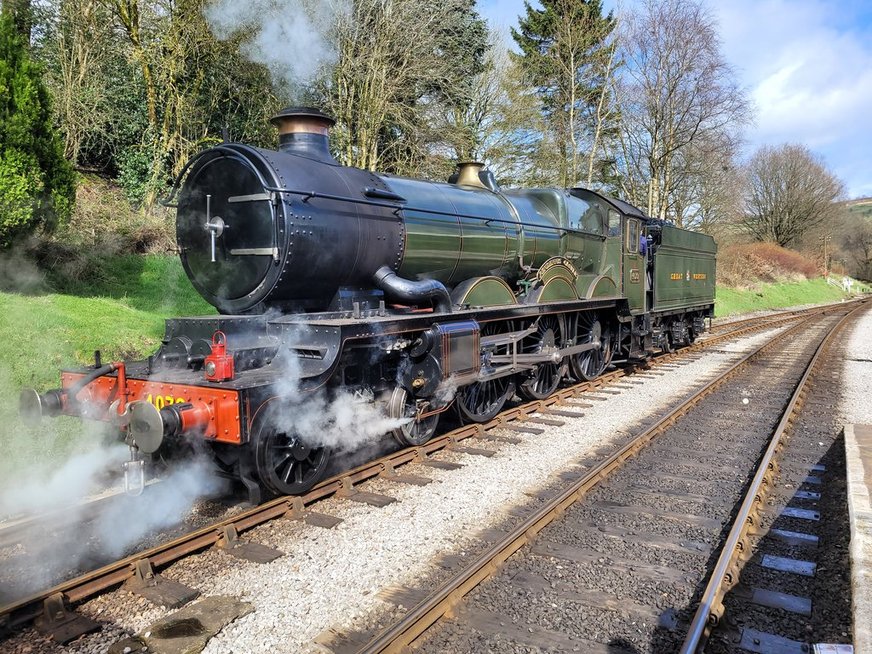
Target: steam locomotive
column 414, row 296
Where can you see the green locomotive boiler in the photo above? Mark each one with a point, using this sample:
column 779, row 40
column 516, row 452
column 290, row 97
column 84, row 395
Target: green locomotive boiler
column 415, row 296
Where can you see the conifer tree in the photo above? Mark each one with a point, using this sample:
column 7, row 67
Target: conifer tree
column 566, row 58
column 37, row 185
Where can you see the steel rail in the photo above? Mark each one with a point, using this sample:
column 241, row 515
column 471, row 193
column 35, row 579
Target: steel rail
column 23, row 611
column 777, row 315
column 728, row 568
column 421, row 617
column 781, row 314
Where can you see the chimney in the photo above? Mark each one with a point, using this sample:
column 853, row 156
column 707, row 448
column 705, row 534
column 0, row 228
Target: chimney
column 305, row 131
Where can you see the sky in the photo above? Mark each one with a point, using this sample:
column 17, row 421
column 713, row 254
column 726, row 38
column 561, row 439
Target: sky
column 807, row 68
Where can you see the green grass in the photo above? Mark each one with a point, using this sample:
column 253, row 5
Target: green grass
column 731, row 301
column 122, row 314
column 862, row 209
column 152, row 283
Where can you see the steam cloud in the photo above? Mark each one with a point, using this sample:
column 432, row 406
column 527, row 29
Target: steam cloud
column 42, row 488
column 18, row 274
column 102, row 531
column 291, row 38
column 342, row 421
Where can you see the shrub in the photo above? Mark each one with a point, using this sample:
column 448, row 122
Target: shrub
column 37, row 185
column 104, row 221
column 134, row 173
column 746, row 265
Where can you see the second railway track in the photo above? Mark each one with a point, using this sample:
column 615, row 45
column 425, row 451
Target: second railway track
column 616, row 562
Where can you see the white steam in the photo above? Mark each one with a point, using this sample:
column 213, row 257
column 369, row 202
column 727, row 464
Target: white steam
column 341, row 420
column 43, row 488
column 19, row 274
column 95, row 532
column 291, row 38
column 165, row 504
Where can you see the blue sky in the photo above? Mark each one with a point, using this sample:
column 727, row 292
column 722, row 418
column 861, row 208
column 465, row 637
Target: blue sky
column 807, row 67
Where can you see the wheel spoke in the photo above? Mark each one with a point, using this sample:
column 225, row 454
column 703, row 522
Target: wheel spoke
column 591, row 363
column 281, row 462
column 545, row 377
column 286, row 464
column 417, row 431
column 290, row 468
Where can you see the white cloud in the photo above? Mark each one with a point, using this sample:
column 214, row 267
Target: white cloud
column 807, row 65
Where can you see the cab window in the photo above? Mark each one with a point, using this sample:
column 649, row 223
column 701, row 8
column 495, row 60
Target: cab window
column 614, row 223
column 585, row 216
column 632, row 236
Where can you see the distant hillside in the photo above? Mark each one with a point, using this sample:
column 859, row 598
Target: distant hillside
column 860, row 206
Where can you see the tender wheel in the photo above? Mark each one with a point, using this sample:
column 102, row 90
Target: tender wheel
column 590, row 364
column 667, row 342
column 413, row 431
column 691, row 333
column 481, row 401
column 544, row 379
column 286, row 464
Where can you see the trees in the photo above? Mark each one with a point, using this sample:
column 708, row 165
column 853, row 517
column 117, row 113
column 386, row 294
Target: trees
column 82, row 59
column 21, row 13
column 37, row 186
column 788, row 191
column 189, row 86
column 857, row 244
column 709, row 195
column 499, row 121
column 399, row 62
column 676, row 93
column 567, row 57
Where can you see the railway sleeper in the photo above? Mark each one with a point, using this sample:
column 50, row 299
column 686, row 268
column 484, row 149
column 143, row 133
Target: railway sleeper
column 157, row 589
column 255, row 552
column 62, row 624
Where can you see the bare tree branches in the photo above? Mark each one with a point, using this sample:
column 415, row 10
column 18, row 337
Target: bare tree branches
column 398, row 62
column 789, row 190
column 856, row 242
column 675, row 90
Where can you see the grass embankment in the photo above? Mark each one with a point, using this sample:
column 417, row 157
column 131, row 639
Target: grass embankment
column 761, row 276
column 733, row 301
column 120, row 310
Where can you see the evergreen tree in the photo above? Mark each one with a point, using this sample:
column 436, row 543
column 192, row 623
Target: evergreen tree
column 566, row 57
column 37, row 185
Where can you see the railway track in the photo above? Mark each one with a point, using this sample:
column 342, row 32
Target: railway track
column 65, row 543
column 613, row 562
column 787, row 586
column 776, row 317
column 521, row 418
